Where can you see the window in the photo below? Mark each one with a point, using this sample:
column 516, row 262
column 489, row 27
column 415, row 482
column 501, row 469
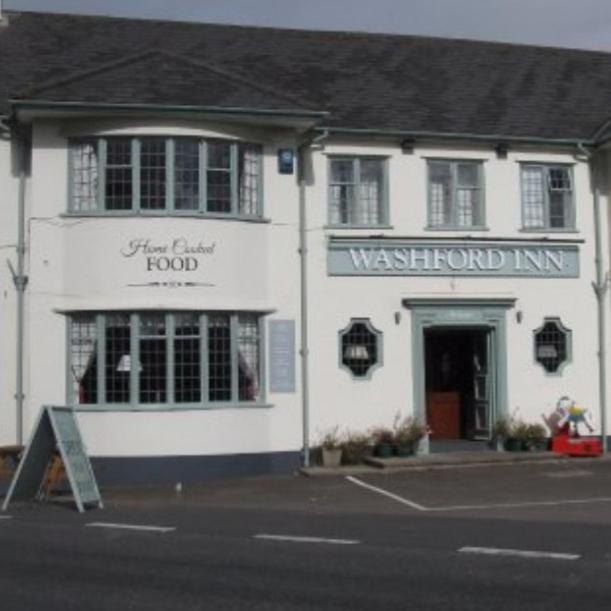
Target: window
column 357, row 191
column 552, row 345
column 360, row 348
column 456, row 195
column 547, row 197
column 160, row 358
column 165, row 175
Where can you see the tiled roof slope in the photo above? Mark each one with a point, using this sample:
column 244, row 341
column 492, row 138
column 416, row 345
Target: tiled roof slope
column 366, row 81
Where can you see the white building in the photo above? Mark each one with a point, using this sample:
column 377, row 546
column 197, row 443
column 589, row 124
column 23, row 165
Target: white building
column 235, row 239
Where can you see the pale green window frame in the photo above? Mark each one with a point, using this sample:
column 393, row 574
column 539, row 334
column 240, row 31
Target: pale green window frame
column 545, row 170
column 98, row 204
column 134, row 403
column 453, row 224
column 383, row 199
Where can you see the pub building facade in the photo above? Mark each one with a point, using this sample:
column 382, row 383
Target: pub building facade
column 218, row 252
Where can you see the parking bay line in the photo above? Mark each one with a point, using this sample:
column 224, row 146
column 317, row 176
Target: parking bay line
column 499, row 551
column 138, row 527
column 526, row 504
column 297, row 539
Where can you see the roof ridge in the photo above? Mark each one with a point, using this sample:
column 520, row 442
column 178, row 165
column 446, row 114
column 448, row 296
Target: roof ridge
column 234, row 76
column 78, row 74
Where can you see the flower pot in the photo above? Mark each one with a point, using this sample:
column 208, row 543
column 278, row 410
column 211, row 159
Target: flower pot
column 331, row 457
column 498, row 444
column 513, row 444
column 405, row 449
column 384, row 450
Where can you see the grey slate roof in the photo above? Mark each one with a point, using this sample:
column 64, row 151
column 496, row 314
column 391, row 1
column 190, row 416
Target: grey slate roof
column 365, row 81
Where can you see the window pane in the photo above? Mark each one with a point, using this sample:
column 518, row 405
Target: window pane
column 219, row 177
column 153, row 359
column 440, row 193
column 342, row 171
column 467, row 174
column 248, row 179
column 119, row 174
column 533, row 197
column 219, row 358
column 152, row 174
column 84, row 177
column 248, row 358
column 118, row 362
column 467, row 205
column 186, row 174
column 342, row 192
column 559, row 179
column 559, row 202
column 187, row 361
column 370, row 193
column 83, row 361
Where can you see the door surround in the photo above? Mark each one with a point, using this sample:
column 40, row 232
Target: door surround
column 437, row 313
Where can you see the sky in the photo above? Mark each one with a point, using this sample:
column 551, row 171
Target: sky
column 582, row 24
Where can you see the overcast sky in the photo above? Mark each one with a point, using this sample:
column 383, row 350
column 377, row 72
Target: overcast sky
column 567, row 23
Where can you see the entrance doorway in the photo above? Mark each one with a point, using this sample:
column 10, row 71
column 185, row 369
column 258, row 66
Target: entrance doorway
column 458, row 382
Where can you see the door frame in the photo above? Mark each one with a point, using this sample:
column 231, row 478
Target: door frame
column 431, row 313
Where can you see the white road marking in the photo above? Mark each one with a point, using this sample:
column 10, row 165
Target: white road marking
column 566, row 474
column 390, row 495
column 497, row 551
column 519, row 505
column 295, row 539
column 6, row 517
column 140, row 527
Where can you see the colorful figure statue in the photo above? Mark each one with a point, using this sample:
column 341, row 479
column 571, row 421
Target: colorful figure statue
column 573, row 416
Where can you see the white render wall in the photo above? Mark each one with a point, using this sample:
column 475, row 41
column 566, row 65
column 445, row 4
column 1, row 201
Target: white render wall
column 338, row 399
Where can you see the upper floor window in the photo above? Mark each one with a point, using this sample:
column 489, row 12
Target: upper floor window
column 168, row 175
column 547, row 197
column 456, row 194
column 182, row 358
column 357, row 191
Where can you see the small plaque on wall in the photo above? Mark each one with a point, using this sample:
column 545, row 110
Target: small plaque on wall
column 282, row 356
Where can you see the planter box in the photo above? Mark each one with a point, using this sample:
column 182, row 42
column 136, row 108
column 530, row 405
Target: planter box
column 331, row 458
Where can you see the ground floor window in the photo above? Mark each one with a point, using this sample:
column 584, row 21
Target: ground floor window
column 552, row 345
column 360, row 350
column 165, row 358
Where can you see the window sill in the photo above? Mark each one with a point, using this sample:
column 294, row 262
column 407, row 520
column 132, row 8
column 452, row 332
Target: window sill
column 548, row 230
column 164, row 407
column 165, row 215
column 456, row 228
column 352, row 227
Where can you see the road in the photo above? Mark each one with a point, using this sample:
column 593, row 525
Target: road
column 464, row 540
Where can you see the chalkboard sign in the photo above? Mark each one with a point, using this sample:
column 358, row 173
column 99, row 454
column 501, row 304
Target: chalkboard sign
column 56, row 428
column 282, row 356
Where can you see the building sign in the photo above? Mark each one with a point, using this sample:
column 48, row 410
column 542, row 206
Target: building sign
column 282, row 356
column 176, row 255
column 389, row 257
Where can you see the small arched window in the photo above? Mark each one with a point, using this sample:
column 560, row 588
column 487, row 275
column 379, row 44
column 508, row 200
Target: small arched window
column 552, row 345
column 360, row 345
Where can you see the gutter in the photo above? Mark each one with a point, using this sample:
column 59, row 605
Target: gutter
column 303, row 149
column 600, row 286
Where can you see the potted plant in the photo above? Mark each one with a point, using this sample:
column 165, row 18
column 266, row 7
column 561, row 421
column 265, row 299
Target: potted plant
column 355, row 447
column 407, row 434
column 383, row 440
column 501, row 432
column 535, row 438
column 331, row 448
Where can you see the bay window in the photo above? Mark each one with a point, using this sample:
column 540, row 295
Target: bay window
column 159, row 175
column 195, row 359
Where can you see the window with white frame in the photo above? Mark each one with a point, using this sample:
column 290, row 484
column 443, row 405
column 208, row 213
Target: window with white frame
column 360, row 345
column 552, row 345
column 165, row 358
column 165, row 175
column 357, row 191
column 456, row 194
column 547, row 197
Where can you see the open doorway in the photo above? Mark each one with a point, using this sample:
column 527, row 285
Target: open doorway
column 458, row 382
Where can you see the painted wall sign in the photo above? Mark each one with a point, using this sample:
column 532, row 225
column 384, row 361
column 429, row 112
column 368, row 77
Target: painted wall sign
column 178, row 255
column 387, row 257
column 56, row 426
column 282, row 356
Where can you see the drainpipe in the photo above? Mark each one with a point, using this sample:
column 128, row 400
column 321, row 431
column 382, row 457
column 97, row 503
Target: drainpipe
column 20, row 279
column 304, row 351
column 600, row 287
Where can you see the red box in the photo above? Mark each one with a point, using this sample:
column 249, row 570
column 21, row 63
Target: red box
column 577, row 446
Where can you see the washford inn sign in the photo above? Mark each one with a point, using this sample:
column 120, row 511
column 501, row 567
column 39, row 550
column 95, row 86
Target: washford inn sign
column 409, row 257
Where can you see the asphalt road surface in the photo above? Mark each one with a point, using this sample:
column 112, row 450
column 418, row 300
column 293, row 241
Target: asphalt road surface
column 523, row 537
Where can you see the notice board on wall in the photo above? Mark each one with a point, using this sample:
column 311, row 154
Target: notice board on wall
column 56, row 428
column 282, row 356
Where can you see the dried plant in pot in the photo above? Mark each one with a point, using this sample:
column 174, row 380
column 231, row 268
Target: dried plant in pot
column 535, row 438
column 383, row 439
column 501, row 431
column 331, row 448
column 355, row 447
column 407, row 433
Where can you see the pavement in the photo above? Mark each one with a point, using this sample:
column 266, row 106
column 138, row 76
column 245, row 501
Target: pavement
column 512, row 536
